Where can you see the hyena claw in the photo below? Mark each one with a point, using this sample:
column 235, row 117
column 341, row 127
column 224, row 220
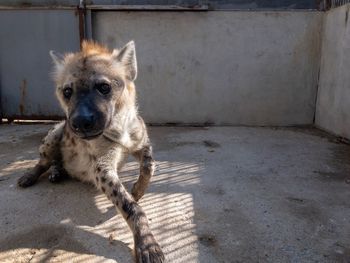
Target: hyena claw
column 27, row 180
column 151, row 253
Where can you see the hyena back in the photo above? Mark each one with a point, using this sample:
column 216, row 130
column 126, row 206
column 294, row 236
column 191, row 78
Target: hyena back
column 96, row 90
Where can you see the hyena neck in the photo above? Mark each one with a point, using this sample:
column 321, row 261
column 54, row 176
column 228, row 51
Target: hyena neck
column 124, row 118
column 121, row 126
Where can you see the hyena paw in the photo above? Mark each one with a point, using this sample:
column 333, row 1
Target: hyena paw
column 27, row 180
column 57, row 175
column 149, row 253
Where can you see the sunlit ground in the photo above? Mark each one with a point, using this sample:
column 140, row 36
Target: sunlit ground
column 220, row 194
column 170, row 216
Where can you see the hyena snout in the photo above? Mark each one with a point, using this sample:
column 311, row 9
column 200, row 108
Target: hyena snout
column 87, row 123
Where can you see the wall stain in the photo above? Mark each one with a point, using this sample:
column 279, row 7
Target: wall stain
column 23, row 89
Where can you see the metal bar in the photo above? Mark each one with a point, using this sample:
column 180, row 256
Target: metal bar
column 55, row 7
column 148, row 7
column 81, row 14
column 0, row 106
column 167, row 5
column 202, row 6
column 34, row 117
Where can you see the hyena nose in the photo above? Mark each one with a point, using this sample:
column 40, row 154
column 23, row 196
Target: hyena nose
column 84, row 123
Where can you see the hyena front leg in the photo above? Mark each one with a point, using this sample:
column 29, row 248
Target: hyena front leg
column 147, row 167
column 49, row 151
column 58, row 173
column 31, row 177
column 147, row 249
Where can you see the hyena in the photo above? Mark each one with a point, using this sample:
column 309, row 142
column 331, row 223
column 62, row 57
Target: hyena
column 96, row 90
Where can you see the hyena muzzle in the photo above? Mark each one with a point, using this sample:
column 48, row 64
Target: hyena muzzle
column 96, row 90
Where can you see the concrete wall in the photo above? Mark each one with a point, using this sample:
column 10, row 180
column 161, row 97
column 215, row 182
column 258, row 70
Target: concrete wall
column 26, row 37
column 237, row 68
column 333, row 102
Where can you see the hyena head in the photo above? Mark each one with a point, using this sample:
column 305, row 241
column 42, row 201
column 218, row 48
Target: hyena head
column 93, row 85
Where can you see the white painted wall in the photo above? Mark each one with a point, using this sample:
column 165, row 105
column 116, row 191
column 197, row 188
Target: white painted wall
column 333, row 102
column 237, row 68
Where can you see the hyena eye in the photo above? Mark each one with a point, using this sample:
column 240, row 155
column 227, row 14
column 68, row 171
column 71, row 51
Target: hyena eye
column 67, row 92
column 103, row 88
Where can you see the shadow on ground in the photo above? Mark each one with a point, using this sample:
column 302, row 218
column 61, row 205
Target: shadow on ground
column 219, row 195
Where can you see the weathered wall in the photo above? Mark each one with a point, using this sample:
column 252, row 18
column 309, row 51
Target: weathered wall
column 26, row 37
column 333, row 102
column 238, row 68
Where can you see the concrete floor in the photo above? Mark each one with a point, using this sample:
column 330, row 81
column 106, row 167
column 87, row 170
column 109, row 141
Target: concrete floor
column 219, row 195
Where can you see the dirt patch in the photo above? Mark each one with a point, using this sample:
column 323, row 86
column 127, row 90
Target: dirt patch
column 208, row 240
column 340, row 165
column 333, row 176
column 338, row 253
column 211, row 144
column 315, row 132
column 307, row 211
column 295, row 200
column 214, row 190
column 341, row 154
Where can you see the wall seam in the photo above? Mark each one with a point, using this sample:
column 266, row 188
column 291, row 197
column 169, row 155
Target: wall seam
column 319, row 64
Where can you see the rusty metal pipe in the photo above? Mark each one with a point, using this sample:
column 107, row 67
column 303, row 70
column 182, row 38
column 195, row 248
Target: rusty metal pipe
column 81, row 9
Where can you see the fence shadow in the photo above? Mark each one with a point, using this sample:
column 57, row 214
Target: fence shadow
column 74, row 222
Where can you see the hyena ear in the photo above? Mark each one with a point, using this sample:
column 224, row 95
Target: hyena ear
column 127, row 56
column 57, row 58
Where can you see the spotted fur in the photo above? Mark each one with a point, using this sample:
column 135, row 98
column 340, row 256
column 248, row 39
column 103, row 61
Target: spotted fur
column 97, row 160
